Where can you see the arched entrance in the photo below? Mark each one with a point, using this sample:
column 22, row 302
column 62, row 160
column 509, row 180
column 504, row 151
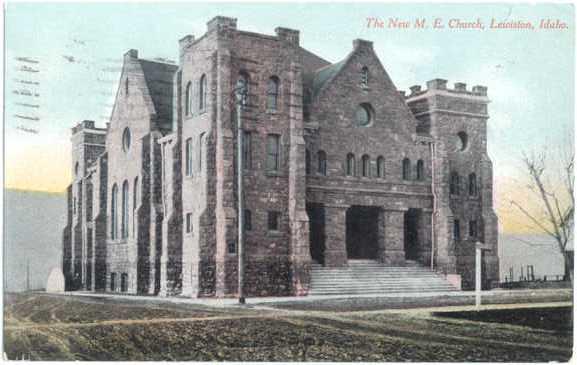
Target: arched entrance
column 411, row 226
column 316, row 213
column 362, row 232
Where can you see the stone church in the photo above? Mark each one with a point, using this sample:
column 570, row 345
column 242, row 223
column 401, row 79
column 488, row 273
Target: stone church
column 339, row 168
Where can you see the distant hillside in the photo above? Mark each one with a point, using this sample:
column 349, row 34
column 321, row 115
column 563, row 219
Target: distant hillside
column 33, row 231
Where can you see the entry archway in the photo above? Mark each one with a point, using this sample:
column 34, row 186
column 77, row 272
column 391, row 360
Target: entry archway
column 362, row 232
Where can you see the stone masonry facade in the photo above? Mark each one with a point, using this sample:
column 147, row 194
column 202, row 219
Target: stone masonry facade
column 339, row 165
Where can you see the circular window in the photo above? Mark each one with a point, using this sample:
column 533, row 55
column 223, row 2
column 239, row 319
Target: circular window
column 364, row 115
column 126, row 139
column 462, row 141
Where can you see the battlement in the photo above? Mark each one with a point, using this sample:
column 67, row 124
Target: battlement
column 221, row 22
column 289, row 35
column 459, row 88
column 87, row 126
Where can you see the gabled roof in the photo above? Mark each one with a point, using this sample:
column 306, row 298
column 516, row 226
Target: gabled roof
column 159, row 80
column 326, row 73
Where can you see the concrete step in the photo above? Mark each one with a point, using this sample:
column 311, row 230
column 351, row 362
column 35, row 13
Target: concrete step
column 373, row 277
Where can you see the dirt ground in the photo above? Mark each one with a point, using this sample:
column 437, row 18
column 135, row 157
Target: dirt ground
column 44, row 327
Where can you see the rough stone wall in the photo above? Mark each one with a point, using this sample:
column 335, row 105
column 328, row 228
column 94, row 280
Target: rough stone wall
column 446, row 113
column 198, row 186
column 99, row 224
column 134, row 110
column 391, row 134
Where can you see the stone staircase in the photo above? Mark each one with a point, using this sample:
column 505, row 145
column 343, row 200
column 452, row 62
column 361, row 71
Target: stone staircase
column 373, row 277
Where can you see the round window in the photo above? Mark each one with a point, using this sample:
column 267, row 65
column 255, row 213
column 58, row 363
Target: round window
column 462, row 141
column 126, row 139
column 364, row 115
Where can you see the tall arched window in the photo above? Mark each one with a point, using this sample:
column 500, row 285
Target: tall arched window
column 126, row 87
column 188, row 99
column 366, row 167
column 308, row 161
column 420, row 170
column 201, row 151
column 243, row 82
column 202, row 93
column 406, row 169
column 350, row 164
column 124, row 223
column 114, row 213
column 322, row 163
column 454, row 184
column 272, row 93
column 380, row 166
column 472, row 184
column 365, row 76
column 135, row 203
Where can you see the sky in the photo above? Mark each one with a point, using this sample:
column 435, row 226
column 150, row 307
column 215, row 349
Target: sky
column 78, row 49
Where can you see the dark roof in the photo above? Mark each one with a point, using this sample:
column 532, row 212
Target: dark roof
column 324, row 74
column 311, row 62
column 159, row 79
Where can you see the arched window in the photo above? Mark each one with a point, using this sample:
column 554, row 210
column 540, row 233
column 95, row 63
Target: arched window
column 366, row 167
column 123, row 282
column 188, row 100
column 124, row 223
column 202, row 93
column 308, row 161
column 420, row 170
column 272, row 93
column 454, row 184
column 135, row 203
column 322, row 163
column 473, row 229
column 126, row 139
column 365, row 76
column 350, row 164
column 243, row 82
column 380, row 166
column 114, row 213
column 406, row 169
column 201, row 151
column 126, row 87
column 472, row 184
column 456, row 230
column 113, row 281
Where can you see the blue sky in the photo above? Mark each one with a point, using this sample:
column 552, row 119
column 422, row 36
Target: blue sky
column 529, row 73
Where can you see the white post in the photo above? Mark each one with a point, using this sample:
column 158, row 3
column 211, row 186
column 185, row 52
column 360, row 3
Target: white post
column 478, row 277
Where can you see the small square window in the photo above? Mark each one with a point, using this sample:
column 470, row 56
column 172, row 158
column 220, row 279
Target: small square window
column 188, row 222
column 231, row 247
column 273, row 221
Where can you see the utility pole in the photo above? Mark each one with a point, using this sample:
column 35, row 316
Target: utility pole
column 240, row 93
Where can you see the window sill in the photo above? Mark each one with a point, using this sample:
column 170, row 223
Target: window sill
column 273, row 174
column 274, row 233
column 272, row 111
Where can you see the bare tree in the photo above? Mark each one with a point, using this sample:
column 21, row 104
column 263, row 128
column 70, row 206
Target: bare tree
column 552, row 183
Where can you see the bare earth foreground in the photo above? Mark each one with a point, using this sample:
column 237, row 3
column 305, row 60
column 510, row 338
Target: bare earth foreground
column 48, row 327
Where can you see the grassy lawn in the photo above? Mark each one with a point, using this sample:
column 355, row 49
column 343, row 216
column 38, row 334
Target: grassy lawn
column 46, row 327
